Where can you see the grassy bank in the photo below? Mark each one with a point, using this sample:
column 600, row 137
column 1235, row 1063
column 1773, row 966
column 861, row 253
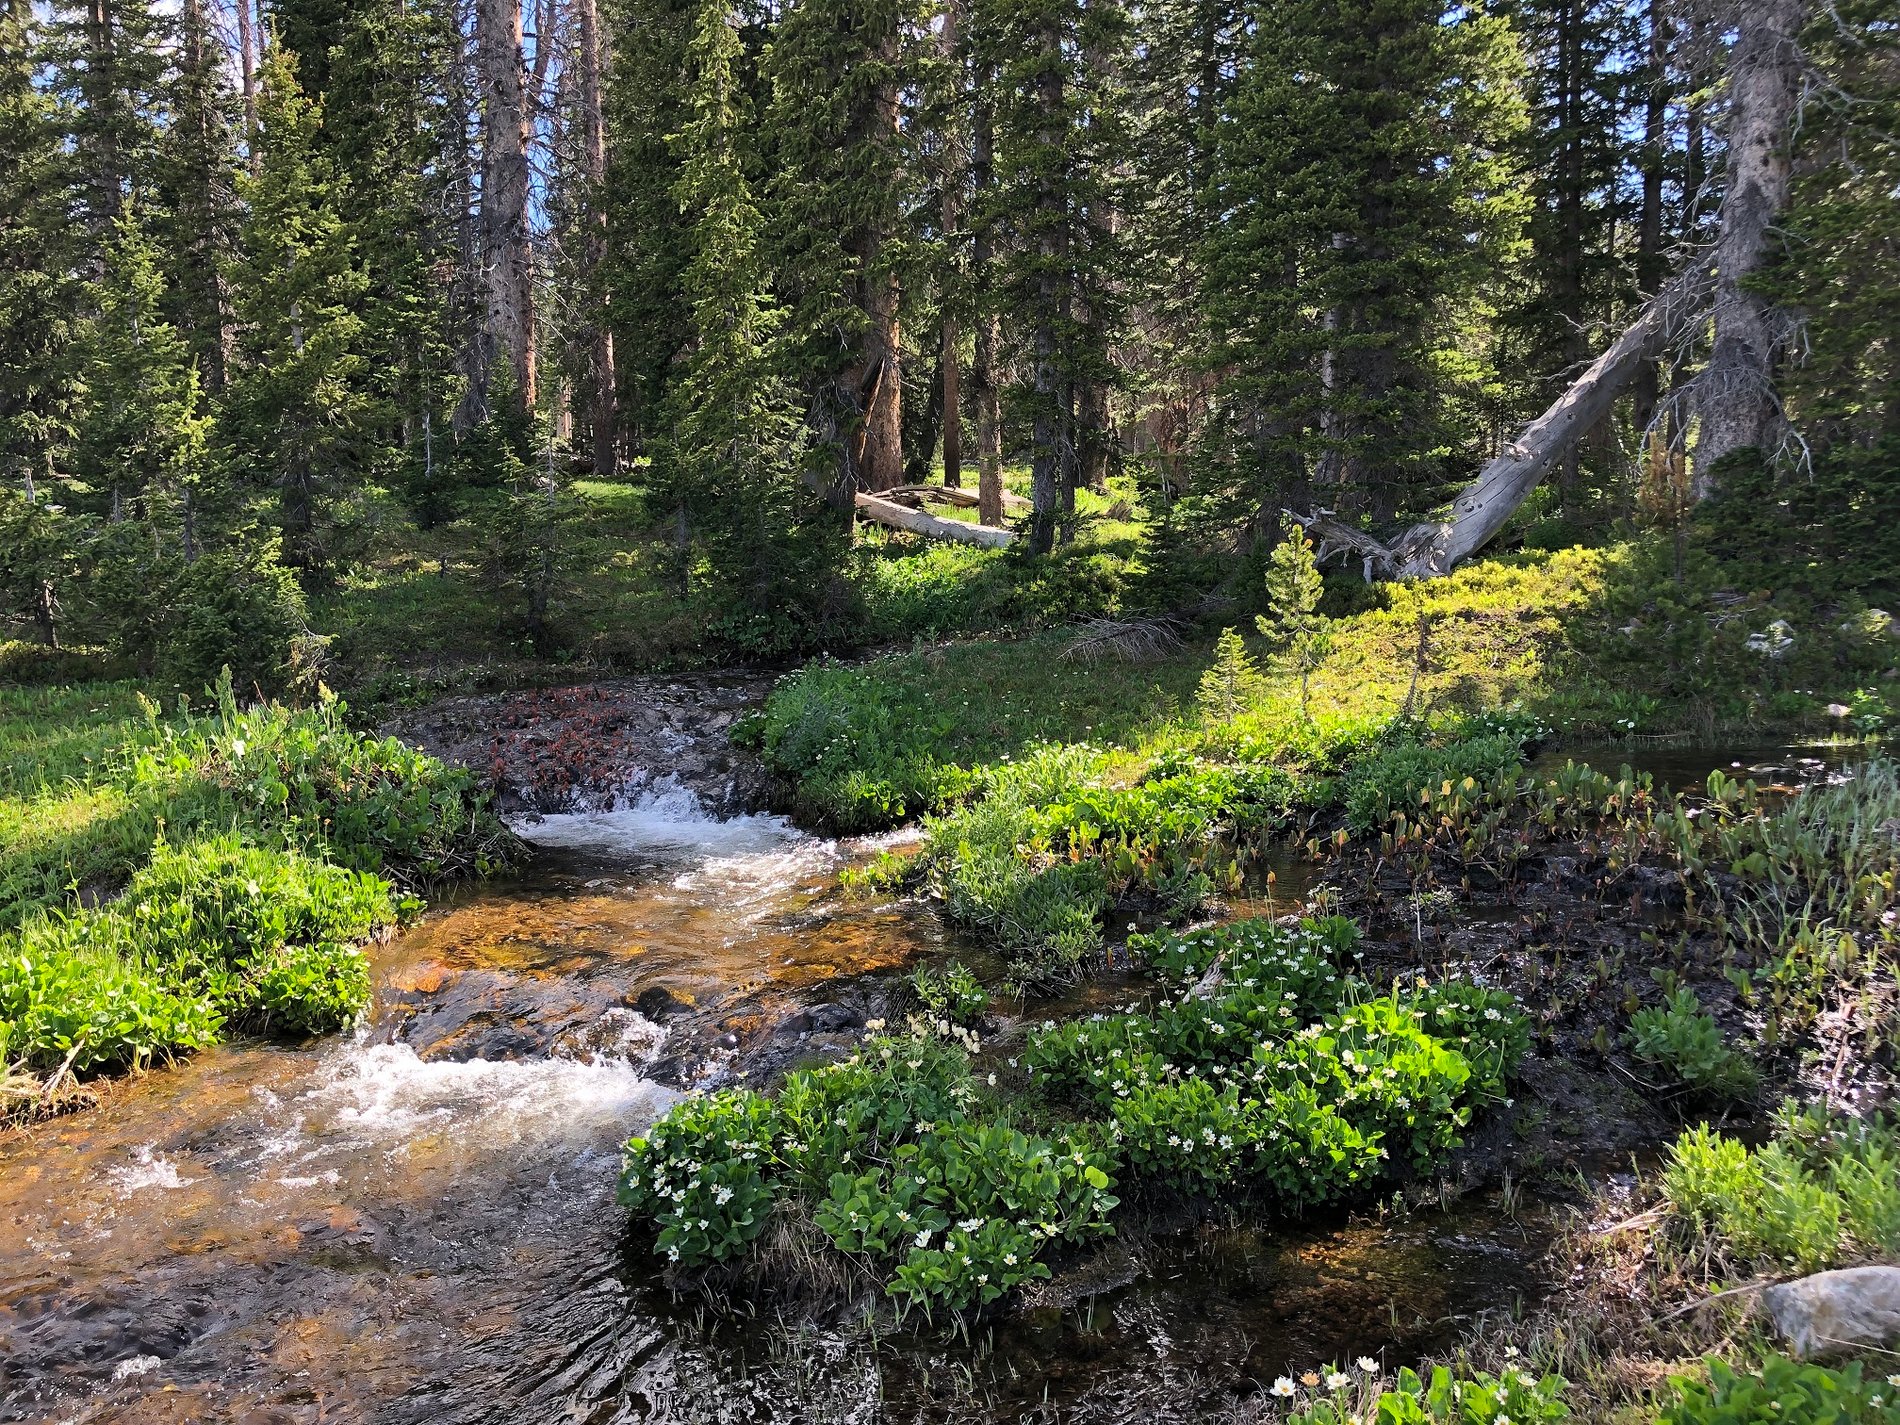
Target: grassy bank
column 170, row 878
column 1715, row 952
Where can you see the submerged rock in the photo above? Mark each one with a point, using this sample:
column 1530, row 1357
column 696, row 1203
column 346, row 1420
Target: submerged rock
column 1843, row 1310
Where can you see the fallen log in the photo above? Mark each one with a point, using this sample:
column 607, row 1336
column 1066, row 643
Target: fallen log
column 888, row 512
column 949, row 495
column 1484, row 506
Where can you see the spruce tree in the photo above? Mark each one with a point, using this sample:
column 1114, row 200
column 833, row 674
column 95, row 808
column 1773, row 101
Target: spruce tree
column 842, row 164
column 141, row 434
column 648, row 236
column 1061, row 146
column 728, row 467
column 196, row 166
column 301, row 408
column 38, row 289
column 1367, row 174
column 108, row 66
column 386, row 123
column 1294, row 588
column 1231, row 683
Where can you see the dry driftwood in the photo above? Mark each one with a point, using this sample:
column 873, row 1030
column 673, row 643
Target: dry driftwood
column 889, row 512
column 1131, row 640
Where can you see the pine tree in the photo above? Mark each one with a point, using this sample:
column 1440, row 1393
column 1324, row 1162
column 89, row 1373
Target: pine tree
column 1061, row 142
column 1367, row 175
column 385, row 121
column 108, row 67
column 1294, row 588
column 837, row 73
column 141, row 435
column 648, row 240
column 1231, row 683
column 729, row 463
column 301, row 408
column 38, row 290
column 196, row 165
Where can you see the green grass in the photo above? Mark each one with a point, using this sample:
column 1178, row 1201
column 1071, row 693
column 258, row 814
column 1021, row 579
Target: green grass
column 165, row 878
column 415, row 615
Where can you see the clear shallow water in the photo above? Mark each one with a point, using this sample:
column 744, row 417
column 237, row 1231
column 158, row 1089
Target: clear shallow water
column 416, row 1223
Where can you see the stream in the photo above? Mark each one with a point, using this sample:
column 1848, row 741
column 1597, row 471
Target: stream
column 417, row 1223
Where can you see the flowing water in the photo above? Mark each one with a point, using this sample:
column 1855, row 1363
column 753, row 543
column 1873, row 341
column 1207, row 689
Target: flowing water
column 417, row 1224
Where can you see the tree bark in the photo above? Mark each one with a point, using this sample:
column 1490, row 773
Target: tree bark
column 889, row 512
column 247, row 79
column 983, row 373
column 1052, row 459
column 875, row 451
column 1735, row 393
column 1483, row 508
column 603, row 438
column 947, row 372
column 1649, row 229
column 507, row 251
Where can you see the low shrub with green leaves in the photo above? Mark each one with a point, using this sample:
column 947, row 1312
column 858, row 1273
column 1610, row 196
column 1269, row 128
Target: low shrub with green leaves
column 168, row 879
column 1281, row 1067
column 1822, row 1192
column 1392, row 777
column 210, row 936
column 1682, row 1037
column 952, row 995
column 1065, row 835
column 896, row 1159
column 1286, row 1076
column 1337, row 1397
column 1783, row 1392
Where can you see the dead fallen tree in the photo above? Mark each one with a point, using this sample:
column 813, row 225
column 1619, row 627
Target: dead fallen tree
column 889, row 512
column 1483, row 507
column 950, row 495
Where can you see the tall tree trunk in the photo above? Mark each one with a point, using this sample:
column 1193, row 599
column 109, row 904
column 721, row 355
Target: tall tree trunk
column 1570, row 202
column 1735, row 393
column 603, row 433
column 874, row 454
column 1649, row 228
column 1050, row 460
column 507, row 251
column 983, row 372
column 947, row 372
column 247, row 79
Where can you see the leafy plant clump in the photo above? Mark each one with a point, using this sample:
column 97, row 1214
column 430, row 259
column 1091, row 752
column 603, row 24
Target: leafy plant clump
column 1822, row 1192
column 1683, row 1038
column 894, row 1156
column 1288, row 1084
column 211, row 936
column 1336, row 1397
column 1280, row 1068
column 1783, row 1392
column 1064, row 836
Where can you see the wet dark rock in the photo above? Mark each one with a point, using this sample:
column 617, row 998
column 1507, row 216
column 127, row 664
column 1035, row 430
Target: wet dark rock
column 829, row 1018
column 594, row 744
column 659, row 1004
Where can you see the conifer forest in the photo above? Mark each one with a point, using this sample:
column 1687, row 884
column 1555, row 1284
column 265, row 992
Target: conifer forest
column 1066, row 712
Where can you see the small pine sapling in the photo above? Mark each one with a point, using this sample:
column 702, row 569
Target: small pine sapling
column 1231, row 683
column 1294, row 587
